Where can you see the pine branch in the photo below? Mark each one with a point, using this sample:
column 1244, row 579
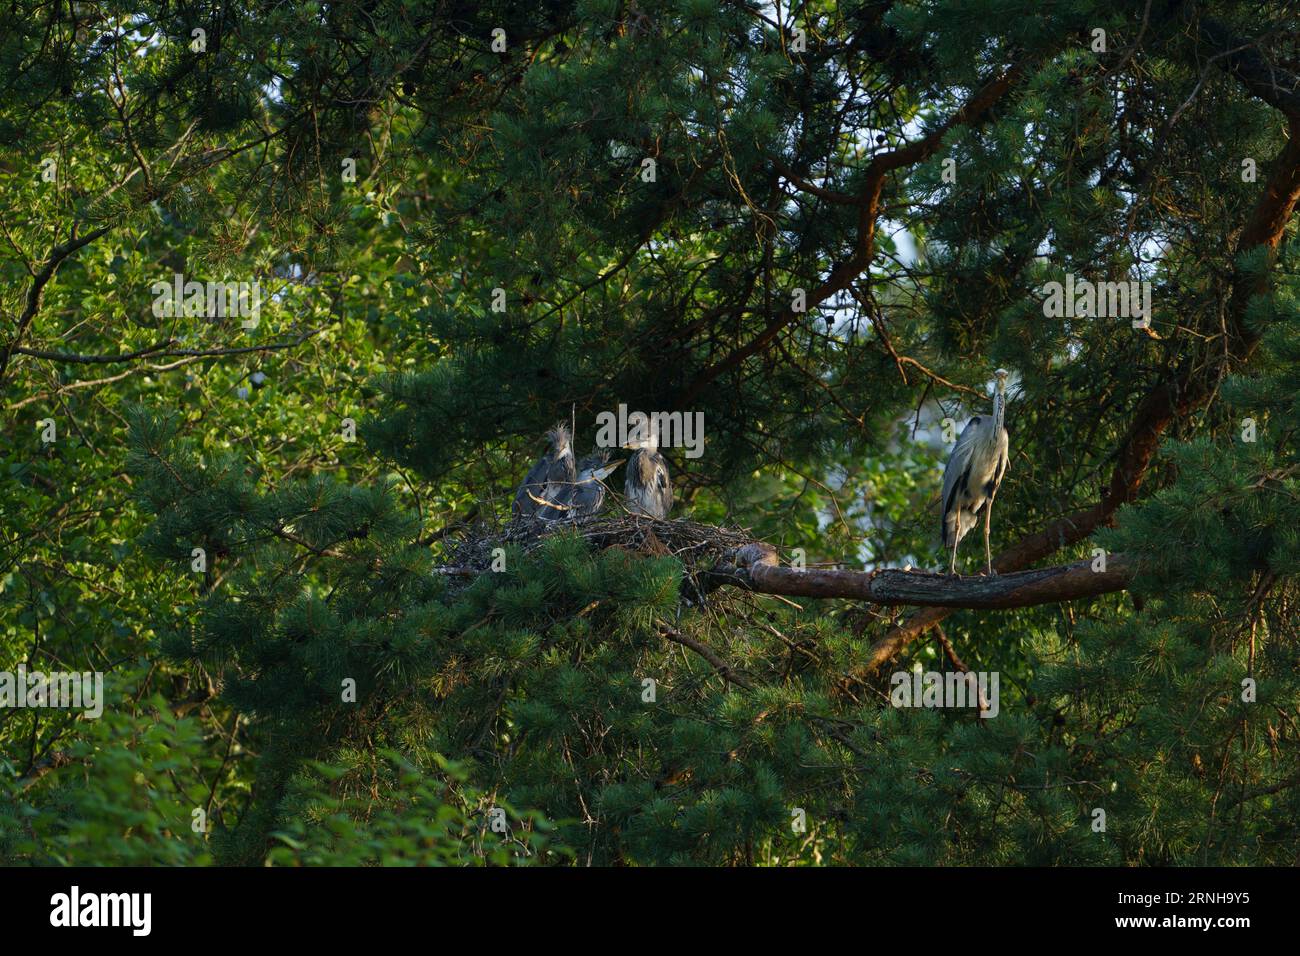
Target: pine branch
column 973, row 111
column 757, row 569
column 721, row 666
column 1188, row 390
column 1274, row 85
column 754, row 566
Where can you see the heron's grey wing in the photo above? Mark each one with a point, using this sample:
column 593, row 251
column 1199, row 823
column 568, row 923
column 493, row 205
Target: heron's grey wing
column 561, row 493
column 958, row 463
column 1004, row 459
column 663, row 488
column 534, row 481
column 588, row 498
column 551, row 478
column 640, row 482
column 632, row 477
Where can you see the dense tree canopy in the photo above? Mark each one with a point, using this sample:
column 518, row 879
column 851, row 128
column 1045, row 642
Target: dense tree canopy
column 822, row 227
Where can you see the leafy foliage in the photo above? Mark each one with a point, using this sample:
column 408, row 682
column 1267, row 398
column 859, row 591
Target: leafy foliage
column 623, row 206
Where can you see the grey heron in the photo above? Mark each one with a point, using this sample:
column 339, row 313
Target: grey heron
column 552, row 472
column 585, row 496
column 973, row 474
column 647, row 486
column 589, row 493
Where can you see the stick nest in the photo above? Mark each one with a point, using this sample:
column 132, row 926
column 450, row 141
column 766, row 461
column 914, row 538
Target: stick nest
column 698, row 546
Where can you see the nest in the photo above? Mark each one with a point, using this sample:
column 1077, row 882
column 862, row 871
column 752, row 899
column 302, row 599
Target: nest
column 698, row 546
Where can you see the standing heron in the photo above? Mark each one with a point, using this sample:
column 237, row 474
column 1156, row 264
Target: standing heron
column 647, row 487
column 585, row 497
column 973, row 474
column 552, row 472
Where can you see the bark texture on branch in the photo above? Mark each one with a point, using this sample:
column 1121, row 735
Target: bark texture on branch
column 757, row 568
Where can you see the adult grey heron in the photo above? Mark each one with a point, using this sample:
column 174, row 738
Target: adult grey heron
column 647, row 486
column 585, row 496
column 552, row 472
column 973, row 474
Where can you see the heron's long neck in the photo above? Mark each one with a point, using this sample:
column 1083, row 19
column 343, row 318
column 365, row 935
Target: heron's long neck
column 999, row 410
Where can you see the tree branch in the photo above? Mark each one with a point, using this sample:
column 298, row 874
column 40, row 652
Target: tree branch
column 756, row 568
column 162, row 350
column 1275, row 86
column 1178, row 397
column 868, row 202
column 42, row 278
column 721, row 666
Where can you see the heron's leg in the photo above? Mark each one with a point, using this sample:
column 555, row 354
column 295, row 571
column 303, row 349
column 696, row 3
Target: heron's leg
column 952, row 568
column 988, row 556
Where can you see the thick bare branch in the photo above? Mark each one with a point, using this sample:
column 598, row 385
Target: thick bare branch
column 756, row 568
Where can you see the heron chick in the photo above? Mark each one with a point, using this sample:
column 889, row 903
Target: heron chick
column 585, row 496
column 647, row 487
column 973, row 474
column 553, row 471
column 589, row 492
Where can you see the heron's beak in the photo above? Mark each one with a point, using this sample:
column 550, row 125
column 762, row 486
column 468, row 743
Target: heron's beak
column 607, row 470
